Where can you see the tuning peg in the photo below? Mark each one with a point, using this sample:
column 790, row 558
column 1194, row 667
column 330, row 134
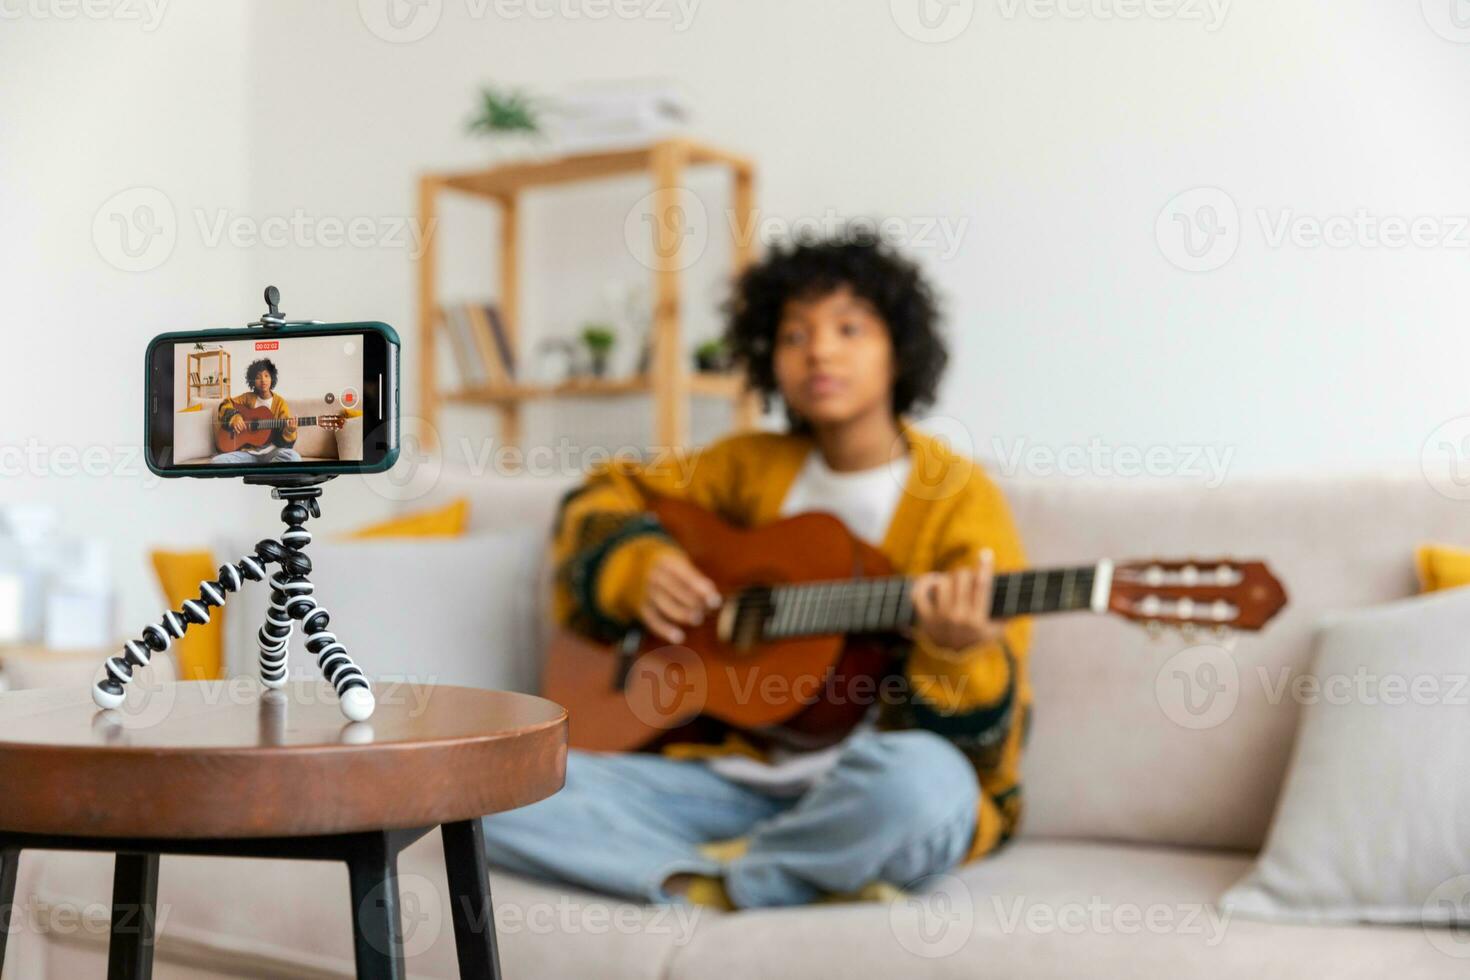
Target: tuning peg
column 1187, row 630
column 1222, row 632
column 1154, row 629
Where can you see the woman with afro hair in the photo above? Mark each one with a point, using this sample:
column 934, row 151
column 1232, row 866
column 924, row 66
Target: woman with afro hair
column 845, row 332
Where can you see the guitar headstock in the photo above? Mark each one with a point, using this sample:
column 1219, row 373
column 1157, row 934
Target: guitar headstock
column 332, row 421
column 1217, row 593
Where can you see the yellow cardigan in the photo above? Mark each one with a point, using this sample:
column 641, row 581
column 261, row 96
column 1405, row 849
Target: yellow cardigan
column 978, row 698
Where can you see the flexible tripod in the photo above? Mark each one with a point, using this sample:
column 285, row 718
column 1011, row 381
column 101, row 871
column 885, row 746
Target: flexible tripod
column 291, row 602
column 291, row 592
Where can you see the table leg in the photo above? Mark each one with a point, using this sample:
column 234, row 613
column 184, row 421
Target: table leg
column 376, row 922
column 469, row 899
column 134, row 895
column 9, row 869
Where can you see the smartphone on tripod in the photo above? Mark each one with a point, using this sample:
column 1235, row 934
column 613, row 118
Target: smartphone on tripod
column 275, row 398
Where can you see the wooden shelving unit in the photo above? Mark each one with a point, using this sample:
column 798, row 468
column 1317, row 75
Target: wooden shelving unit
column 671, row 380
column 199, row 390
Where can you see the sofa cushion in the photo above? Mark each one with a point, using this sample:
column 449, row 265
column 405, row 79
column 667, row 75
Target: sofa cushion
column 1037, row 909
column 1055, row 910
column 1371, row 825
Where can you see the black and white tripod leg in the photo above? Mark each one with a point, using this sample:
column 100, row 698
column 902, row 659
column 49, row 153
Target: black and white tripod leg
column 274, row 636
column 354, row 692
column 110, row 691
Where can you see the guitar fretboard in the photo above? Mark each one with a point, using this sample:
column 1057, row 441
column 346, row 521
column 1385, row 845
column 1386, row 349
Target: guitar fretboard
column 881, row 605
column 306, row 420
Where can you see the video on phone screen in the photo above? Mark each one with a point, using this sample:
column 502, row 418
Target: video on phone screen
column 258, row 402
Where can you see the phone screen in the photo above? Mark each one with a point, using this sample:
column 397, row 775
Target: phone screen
column 307, row 402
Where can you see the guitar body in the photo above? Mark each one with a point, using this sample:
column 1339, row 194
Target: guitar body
column 253, row 437
column 781, row 682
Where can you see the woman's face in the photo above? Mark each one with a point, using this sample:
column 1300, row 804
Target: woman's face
column 833, row 358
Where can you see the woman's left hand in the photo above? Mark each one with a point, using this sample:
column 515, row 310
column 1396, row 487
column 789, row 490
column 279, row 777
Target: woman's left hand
column 952, row 608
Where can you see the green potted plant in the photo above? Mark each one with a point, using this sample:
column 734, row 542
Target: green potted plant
column 509, row 117
column 712, row 355
column 598, row 339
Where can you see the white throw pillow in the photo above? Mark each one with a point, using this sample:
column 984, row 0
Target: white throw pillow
column 1373, row 824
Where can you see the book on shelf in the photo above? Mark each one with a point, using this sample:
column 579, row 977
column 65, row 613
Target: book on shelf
column 466, row 356
column 480, row 345
column 485, row 342
column 502, row 339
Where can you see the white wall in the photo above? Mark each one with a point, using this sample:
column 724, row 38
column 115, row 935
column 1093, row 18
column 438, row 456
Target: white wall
column 1051, row 142
column 90, row 109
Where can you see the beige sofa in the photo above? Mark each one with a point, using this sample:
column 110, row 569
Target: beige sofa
column 1135, row 822
column 194, row 432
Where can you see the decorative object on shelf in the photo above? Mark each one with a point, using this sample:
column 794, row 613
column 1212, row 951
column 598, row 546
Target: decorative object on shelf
column 611, row 115
column 712, row 355
column 599, row 339
column 557, row 360
column 510, row 118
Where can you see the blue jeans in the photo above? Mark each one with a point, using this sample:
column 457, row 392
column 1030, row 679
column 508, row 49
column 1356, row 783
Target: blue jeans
column 277, row 454
column 898, row 806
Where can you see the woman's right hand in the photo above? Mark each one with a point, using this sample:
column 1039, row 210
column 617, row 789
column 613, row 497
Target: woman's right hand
column 676, row 595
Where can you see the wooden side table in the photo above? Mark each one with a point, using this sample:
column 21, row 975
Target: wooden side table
column 227, row 769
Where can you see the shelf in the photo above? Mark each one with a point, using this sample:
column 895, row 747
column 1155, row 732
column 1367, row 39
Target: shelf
column 510, row 178
column 669, row 382
column 700, row 383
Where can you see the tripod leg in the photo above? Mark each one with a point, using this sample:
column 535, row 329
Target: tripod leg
column 293, row 592
column 336, row 666
column 274, row 636
column 156, row 638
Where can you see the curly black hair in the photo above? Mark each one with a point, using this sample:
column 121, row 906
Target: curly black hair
column 264, row 364
column 813, row 268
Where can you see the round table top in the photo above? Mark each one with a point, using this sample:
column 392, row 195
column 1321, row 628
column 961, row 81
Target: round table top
column 202, row 759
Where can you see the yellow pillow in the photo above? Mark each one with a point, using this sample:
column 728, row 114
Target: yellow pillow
column 201, row 651
column 198, row 653
column 448, row 521
column 1441, row 566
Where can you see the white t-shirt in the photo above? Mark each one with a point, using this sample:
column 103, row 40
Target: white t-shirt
column 864, row 500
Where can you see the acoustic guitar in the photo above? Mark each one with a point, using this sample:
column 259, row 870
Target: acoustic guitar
column 261, row 425
column 807, row 625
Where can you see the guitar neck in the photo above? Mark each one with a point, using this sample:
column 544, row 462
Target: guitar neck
column 305, row 420
column 885, row 604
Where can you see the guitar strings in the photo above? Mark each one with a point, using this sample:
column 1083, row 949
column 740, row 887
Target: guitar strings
column 850, row 606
